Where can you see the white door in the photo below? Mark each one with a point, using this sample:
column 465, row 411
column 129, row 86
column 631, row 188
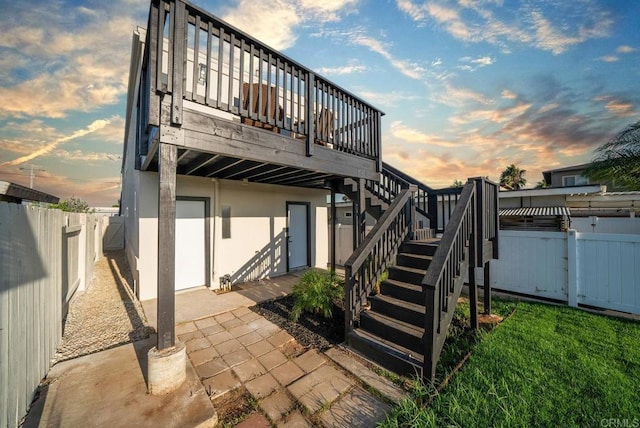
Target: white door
column 190, row 244
column 298, row 248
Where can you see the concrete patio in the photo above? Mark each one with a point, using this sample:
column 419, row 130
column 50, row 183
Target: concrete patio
column 230, row 349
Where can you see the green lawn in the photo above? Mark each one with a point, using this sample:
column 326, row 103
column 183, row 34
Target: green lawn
column 543, row 366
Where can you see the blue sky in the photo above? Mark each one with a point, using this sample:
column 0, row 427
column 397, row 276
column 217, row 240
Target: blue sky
column 468, row 86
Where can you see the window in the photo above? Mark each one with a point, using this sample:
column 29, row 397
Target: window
column 348, row 214
column 226, row 222
column 574, row 180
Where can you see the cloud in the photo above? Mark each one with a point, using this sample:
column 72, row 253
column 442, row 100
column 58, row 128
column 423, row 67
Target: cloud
column 93, row 127
column 474, row 21
column 457, row 96
column 508, row 94
column 624, row 49
column 274, row 22
column 62, row 71
column 608, row 58
column 472, row 64
column 618, row 106
column 340, row 70
column 412, row 135
column 387, row 99
column 407, row 68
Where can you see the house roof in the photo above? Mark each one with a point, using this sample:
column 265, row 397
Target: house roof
column 568, row 168
column 535, row 211
column 550, row 191
column 13, row 192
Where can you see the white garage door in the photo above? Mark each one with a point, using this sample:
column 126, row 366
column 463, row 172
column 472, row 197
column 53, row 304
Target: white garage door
column 190, row 244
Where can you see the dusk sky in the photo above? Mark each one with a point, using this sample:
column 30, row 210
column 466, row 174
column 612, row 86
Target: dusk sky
column 468, row 86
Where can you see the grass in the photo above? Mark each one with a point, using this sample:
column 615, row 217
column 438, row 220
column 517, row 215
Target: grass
column 543, row 366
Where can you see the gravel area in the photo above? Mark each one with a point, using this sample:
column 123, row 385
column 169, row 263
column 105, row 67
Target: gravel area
column 106, row 314
column 311, row 330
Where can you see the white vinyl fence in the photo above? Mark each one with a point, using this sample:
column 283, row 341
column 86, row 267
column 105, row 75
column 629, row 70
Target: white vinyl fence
column 45, row 256
column 596, row 269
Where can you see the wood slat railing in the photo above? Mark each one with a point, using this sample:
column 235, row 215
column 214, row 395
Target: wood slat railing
column 375, row 253
column 473, row 221
column 192, row 55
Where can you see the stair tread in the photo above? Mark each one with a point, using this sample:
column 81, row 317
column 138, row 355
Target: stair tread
column 409, row 285
column 400, row 351
column 397, row 324
column 408, row 269
column 418, row 256
column 401, row 302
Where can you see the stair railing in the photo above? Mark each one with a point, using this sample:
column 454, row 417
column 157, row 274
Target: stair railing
column 441, row 289
column 377, row 251
column 473, row 221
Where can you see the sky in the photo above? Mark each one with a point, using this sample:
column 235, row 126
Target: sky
column 468, row 87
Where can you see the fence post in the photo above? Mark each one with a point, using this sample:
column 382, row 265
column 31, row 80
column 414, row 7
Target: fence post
column 572, row 268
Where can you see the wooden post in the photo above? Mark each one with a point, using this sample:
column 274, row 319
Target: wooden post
column 432, row 210
column 309, row 105
column 166, row 245
column 473, row 255
column 487, row 288
column 362, row 211
column 179, row 42
column 333, row 227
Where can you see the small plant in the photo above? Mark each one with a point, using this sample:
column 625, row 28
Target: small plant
column 316, row 292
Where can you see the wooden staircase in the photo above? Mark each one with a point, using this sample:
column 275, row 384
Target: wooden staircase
column 401, row 322
column 390, row 332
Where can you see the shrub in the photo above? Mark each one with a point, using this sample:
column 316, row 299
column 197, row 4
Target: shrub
column 316, row 292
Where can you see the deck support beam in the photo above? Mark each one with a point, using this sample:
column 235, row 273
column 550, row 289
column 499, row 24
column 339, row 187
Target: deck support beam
column 487, row 288
column 333, row 227
column 166, row 245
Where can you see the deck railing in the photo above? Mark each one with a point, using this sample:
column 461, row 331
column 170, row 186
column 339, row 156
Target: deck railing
column 378, row 250
column 193, row 55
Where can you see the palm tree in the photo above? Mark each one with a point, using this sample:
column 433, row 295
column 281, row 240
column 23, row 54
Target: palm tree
column 619, row 159
column 512, row 178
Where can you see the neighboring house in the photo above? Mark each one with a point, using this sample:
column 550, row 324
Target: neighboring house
column 583, row 208
column 539, row 209
column 12, row 192
column 344, row 214
column 569, row 176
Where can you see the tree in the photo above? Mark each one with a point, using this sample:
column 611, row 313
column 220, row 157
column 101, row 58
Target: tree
column 457, row 183
column 542, row 184
column 512, row 178
column 74, row 205
column 619, row 159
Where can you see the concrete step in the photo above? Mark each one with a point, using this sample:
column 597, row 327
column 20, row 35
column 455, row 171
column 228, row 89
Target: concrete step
column 399, row 332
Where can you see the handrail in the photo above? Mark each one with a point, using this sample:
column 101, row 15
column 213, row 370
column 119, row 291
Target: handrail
column 375, row 253
column 435, row 205
column 193, row 55
column 439, row 282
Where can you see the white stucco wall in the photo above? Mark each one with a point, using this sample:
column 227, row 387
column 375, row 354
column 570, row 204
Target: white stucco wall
column 256, row 249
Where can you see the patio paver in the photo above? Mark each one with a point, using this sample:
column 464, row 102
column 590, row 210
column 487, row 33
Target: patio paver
column 276, row 405
column 319, row 388
column 355, row 408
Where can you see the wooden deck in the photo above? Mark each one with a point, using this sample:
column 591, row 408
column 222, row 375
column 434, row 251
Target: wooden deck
column 237, row 109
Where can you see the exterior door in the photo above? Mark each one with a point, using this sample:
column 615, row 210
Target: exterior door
column 298, row 239
column 190, row 244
